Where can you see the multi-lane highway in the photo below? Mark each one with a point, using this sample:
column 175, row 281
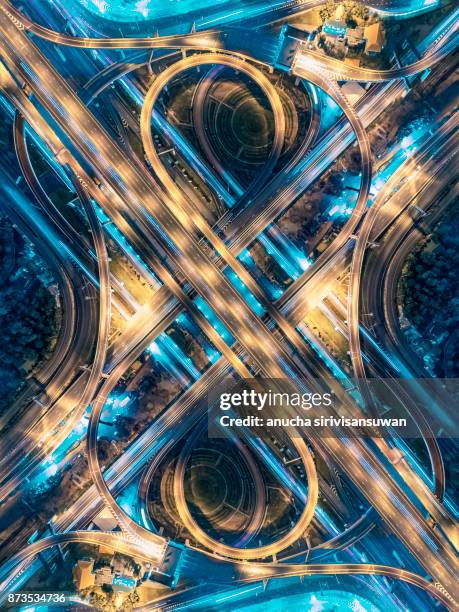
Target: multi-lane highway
column 165, row 224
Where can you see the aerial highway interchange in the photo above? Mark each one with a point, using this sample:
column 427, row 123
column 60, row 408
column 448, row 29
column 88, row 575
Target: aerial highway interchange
column 186, row 152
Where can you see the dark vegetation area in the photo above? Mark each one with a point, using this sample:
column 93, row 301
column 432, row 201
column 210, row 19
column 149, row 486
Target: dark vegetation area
column 431, row 292
column 28, row 309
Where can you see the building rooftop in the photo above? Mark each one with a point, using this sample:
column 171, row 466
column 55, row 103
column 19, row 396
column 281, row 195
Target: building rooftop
column 123, row 583
column 353, row 91
column 105, row 520
column 375, row 38
column 355, row 36
column 339, row 13
column 335, row 27
column 82, row 574
column 352, row 61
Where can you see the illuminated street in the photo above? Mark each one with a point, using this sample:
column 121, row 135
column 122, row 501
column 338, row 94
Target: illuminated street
column 229, row 258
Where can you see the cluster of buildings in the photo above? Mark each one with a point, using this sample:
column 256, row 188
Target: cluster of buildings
column 340, row 37
column 117, row 575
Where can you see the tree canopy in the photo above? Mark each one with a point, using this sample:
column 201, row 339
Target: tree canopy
column 27, row 311
column 431, row 291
